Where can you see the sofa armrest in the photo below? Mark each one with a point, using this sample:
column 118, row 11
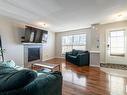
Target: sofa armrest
column 83, row 59
column 16, row 79
column 67, row 53
column 81, row 54
column 49, row 85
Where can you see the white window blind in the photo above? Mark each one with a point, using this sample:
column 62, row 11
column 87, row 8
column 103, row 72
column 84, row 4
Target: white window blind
column 73, row 42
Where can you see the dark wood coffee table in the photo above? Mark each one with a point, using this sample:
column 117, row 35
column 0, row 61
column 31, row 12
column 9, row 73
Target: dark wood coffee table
column 52, row 67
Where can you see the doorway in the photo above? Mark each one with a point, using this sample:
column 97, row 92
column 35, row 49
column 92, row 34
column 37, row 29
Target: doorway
column 116, row 47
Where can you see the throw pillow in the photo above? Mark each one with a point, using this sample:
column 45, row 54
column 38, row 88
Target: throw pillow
column 8, row 63
column 74, row 52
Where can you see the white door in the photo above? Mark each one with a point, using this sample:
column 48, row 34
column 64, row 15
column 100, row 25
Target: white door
column 116, row 47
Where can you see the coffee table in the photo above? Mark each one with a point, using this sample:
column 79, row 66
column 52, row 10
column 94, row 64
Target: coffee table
column 50, row 66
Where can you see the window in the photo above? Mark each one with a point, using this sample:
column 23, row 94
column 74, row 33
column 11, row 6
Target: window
column 117, row 43
column 73, row 42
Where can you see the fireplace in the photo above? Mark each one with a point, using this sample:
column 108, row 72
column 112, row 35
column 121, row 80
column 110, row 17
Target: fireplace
column 32, row 54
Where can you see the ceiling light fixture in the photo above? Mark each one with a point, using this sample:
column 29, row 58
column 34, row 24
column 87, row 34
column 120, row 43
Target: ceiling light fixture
column 42, row 25
column 120, row 16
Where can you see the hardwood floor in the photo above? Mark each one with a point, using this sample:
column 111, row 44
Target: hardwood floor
column 89, row 80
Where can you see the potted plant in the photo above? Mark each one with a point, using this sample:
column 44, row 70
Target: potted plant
column 2, row 51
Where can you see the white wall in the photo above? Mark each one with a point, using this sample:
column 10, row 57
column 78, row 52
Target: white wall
column 10, row 40
column 10, row 31
column 58, row 39
column 49, row 48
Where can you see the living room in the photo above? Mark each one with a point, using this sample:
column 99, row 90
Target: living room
column 75, row 47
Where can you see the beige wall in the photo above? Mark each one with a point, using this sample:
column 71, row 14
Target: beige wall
column 58, row 39
column 10, row 31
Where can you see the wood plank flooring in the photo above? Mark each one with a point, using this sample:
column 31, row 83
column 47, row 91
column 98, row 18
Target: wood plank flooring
column 89, row 80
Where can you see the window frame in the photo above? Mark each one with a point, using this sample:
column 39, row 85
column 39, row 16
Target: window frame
column 73, row 42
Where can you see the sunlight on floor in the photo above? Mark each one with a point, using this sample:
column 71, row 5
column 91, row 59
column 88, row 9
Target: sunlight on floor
column 117, row 84
column 117, row 81
column 71, row 76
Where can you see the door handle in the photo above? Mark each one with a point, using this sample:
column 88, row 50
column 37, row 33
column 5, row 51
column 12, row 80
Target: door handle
column 108, row 45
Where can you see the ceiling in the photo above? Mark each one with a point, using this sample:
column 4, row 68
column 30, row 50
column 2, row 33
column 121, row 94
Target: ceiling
column 63, row 15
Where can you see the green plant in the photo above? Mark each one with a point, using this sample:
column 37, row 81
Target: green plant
column 2, row 51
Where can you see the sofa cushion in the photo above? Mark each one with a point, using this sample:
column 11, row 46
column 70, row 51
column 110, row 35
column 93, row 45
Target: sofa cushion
column 71, row 56
column 74, row 52
column 16, row 79
column 45, row 84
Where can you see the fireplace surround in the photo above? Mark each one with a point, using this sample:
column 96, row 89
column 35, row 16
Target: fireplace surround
column 32, row 54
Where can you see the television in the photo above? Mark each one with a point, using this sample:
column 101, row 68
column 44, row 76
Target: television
column 35, row 35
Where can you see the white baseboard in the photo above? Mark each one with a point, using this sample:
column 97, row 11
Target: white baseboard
column 48, row 59
column 53, row 58
column 94, row 65
column 60, row 57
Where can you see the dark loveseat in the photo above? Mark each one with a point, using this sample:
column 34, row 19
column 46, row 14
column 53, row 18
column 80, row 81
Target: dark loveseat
column 26, row 82
column 78, row 57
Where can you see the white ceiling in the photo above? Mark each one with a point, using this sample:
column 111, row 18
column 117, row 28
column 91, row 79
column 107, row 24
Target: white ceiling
column 63, row 15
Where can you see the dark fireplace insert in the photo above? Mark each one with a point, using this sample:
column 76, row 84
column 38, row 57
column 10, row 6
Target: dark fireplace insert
column 33, row 54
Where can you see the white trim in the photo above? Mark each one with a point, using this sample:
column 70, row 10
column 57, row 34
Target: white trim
column 52, row 58
column 94, row 51
column 103, row 62
column 48, row 59
column 60, row 57
column 94, row 65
